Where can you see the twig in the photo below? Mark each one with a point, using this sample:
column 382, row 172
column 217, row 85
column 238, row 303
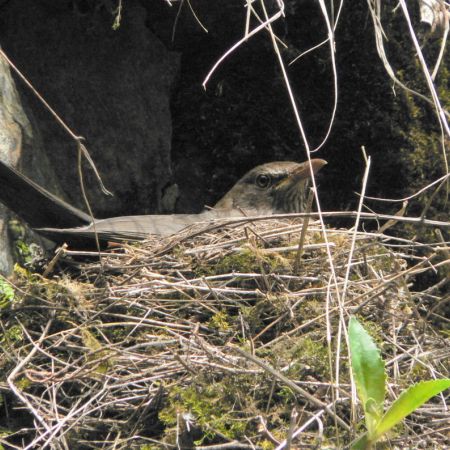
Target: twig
column 291, row 384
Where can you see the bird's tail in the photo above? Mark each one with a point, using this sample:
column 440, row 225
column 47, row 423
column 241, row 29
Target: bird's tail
column 38, row 207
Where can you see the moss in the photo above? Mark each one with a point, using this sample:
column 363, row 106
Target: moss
column 374, row 330
column 311, row 309
column 23, row 383
column 419, row 372
column 313, row 353
column 25, row 249
column 252, row 316
column 7, row 294
column 226, row 406
column 379, row 258
column 11, row 335
column 243, row 261
column 286, row 395
column 215, row 405
column 267, row 445
column 262, row 313
column 306, row 354
column 247, row 260
column 219, row 321
column 59, row 291
column 100, row 359
column 422, row 156
column 24, row 275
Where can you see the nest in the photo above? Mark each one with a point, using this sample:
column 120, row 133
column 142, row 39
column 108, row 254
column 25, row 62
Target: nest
column 219, row 338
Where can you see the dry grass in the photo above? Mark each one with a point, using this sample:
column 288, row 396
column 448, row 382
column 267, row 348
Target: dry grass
column 213, row 337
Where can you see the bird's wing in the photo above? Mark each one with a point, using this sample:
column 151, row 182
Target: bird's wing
column 132, row 228
column 34, row 204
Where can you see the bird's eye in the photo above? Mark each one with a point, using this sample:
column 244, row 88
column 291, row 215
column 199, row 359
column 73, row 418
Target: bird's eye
column 263, row 180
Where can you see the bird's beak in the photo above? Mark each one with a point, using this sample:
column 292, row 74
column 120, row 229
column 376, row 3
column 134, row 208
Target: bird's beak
column 289, row 194
column 307, row 169
column 303, row 172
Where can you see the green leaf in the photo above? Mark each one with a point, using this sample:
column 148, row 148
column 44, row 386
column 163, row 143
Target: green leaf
column 368, row 370
column 360, row 443
column 409, row 401
column 372, row 407
column 7, row 293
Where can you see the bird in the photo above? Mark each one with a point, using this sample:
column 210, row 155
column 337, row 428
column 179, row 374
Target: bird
column 270, row 188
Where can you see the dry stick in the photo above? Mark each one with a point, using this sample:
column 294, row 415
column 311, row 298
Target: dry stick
column 433, row 196
column 88, row 205
column 391, row 223
column 54, row 403
column 315, row 47
column 177, row 18
column 87, row 253
column 15, row 371
column 304, row 426
column 441, row 52
column 196, row 17
column 329, row 337
column 118, row 18
column 290, row 384
column 51, row 265
column 292, row 423
column 375, row 14
column 239, row 43
column 437, row 103
column 251, row 9
column 332, row 43
column 77, row 139
column 354, row 310
column 303, row 233
column 77, row 414
column 266, row 431
column 248, row 16
column 442, row 179
column 303, row 133
column 342, row 325
column 233, row 445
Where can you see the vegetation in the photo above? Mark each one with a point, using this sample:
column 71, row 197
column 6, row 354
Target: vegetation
column 369, row 371
column 210, row 338
column 237, row 336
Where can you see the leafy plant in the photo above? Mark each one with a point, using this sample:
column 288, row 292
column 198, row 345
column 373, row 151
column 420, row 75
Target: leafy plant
column 370, row 378
column 6, row 294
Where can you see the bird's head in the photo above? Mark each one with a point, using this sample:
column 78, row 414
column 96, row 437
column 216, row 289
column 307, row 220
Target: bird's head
column 276, row 187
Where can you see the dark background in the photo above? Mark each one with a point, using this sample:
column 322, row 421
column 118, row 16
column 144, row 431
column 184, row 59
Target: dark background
column 244, row 117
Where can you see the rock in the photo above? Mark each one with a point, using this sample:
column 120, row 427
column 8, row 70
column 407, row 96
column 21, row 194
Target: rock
column 112, row 87
column 13, row 125
column 19, row 143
